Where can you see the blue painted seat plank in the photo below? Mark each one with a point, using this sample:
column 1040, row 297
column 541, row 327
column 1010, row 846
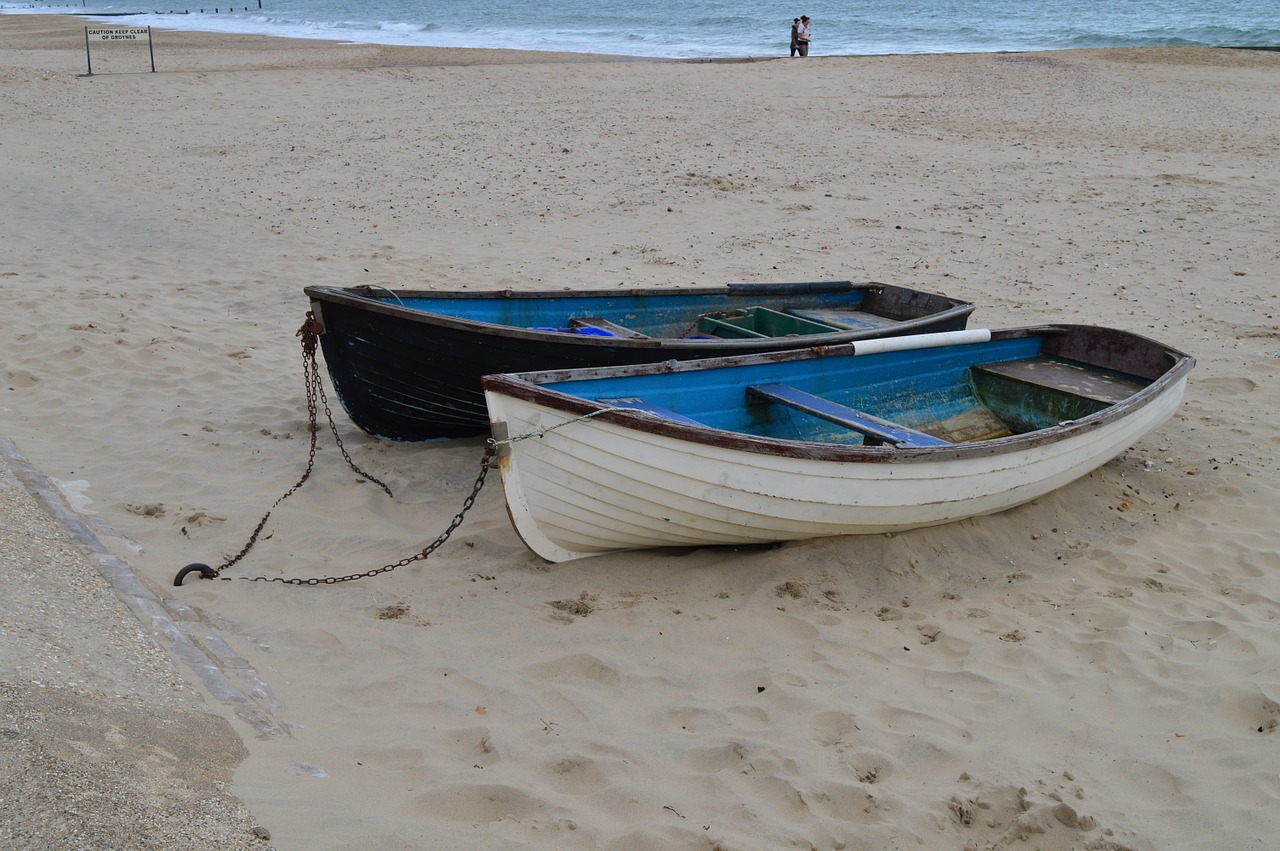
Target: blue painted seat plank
column 851, row 418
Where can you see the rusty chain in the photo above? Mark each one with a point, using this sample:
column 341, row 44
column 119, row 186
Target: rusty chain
column 316, row 400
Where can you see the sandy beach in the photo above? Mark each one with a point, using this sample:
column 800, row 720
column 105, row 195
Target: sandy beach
column 1099, row 669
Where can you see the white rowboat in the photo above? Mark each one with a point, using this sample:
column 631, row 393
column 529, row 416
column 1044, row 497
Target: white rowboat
column 830, row 441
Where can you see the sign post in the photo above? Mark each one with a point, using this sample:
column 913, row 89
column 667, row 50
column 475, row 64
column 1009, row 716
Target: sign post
column 118, row 34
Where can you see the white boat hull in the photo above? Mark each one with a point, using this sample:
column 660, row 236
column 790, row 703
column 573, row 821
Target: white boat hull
column 597, row 486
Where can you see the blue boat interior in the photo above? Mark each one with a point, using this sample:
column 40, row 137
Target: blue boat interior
column 919, row 397
column 718, row 315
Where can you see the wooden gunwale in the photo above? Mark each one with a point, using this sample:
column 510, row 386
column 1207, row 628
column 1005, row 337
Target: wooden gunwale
column 528, row 386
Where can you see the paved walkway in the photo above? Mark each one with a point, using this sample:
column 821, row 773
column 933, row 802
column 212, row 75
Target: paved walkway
column 103, row 743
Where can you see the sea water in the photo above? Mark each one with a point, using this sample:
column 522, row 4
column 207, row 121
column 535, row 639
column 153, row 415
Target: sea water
column 710, row 29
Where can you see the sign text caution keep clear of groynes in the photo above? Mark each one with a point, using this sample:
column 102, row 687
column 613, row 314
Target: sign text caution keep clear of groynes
column 131, row 34
column 117, row 34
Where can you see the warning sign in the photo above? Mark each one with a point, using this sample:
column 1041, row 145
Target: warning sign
column 117, row 35
column 128, row 34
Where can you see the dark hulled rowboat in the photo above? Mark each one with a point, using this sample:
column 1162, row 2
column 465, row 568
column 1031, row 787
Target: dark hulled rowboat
column 406, row 365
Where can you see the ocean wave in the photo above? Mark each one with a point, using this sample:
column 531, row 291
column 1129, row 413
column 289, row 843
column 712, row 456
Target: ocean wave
column 724, row 28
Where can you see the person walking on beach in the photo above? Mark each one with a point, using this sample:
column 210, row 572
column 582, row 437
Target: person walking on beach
column 795, row 41
column 802, row 36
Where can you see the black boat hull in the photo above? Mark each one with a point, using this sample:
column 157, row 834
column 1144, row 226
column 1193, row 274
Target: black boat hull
column 409, row 375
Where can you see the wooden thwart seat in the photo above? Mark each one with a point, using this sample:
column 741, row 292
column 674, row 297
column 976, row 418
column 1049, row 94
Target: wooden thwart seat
column 605, row 325
column 758, row 322
column 635, row 404
column 1107, row 388
column 851, row 418
column 847, row 319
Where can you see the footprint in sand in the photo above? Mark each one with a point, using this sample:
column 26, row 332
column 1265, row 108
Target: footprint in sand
column 149, row 509
column 1270, row 715
column 20, row 378
column 201, row 518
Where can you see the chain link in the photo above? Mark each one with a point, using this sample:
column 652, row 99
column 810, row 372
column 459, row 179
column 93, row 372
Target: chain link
column 489, row 452
column 317, row 400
